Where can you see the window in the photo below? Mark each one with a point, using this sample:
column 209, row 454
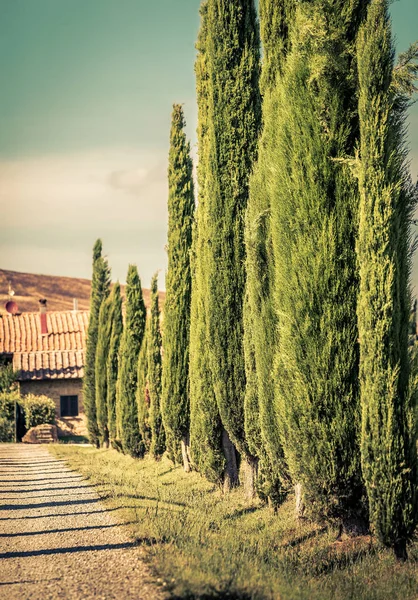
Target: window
column 69, row 406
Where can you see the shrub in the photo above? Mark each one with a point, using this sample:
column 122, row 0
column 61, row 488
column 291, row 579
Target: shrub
column 7, row 377
column 7, row 415
column 38, row 410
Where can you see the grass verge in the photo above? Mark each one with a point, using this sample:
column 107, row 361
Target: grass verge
column 203, row 545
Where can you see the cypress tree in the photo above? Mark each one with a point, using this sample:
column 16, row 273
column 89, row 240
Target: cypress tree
column 260, row 339
column 142, row 395
column 387, row 199
column 132, row 338
column 175, row 400
column 100, row 287
column 154, row 374
column 205, row 423
column 112, row 361
column 102, row 352
column 233, row 128
column 314, row 203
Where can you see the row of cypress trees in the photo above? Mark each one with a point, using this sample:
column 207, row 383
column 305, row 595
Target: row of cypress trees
column 285, row 346
column 301, row 261
column 123, row 361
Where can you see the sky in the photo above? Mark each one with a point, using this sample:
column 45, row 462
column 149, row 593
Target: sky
column 86, row 91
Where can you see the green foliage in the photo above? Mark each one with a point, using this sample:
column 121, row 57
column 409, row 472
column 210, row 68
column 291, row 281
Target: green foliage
column 132, row 338
column 38, row 410
column 175, row 401
column 8, row 400
column 102, row 353
column 314, row 201
column 7, row 377
column 275, row 22
column 113, row 358
column 387, row 200
column 154, row 375
column 205, row 424
column 142, row 391
column 260, row 319
column 100, row 287
column 405, row 73
column 234, row 118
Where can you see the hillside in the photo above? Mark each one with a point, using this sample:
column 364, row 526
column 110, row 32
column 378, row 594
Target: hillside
column 59, row 291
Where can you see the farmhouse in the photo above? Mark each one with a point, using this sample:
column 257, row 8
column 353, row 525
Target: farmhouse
column 47, row 351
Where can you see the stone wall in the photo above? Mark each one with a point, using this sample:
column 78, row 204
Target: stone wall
column 54, row 388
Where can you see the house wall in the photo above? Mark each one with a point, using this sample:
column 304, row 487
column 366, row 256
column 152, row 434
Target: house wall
column 54, row 388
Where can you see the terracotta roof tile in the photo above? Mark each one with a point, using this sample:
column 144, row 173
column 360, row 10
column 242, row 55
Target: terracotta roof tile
column 49, row 365
column 57, row 354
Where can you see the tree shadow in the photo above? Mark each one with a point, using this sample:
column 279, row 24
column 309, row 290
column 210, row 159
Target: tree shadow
column 48, row 504
column 29, row 581
column 48, row 489
column 63, row 530
column 68, row 550
column 44, row 481
column 304, row 538
column 240, row 512
column 225, row 594
column 152, row 498
column 170, row 470
column 54, row 515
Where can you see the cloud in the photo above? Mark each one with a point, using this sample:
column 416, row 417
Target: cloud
column 52, row 204
column 138, row 180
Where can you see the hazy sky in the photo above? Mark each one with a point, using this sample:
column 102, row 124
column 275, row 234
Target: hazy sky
column 86, row 89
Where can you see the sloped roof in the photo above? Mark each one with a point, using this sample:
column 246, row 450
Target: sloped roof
column 57, row 354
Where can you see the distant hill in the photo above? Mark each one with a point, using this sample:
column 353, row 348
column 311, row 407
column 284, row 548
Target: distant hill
column 59, row 291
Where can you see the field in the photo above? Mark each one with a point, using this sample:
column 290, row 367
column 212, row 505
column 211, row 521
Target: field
column 201, row 544
column 59, row 291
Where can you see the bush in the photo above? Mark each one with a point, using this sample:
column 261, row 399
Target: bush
column 7, row 415
column 7, row 377
column 38, row 410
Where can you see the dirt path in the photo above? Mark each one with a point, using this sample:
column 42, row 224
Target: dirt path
column 57, row 540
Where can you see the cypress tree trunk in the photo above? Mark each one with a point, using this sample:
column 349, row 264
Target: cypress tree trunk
column 102, row 352
column 260, row 321
column 112, row 360
column 132, row 338
column 100, row 287
column 234, row 118
column 389, row 434
column 205, row 423
column 314, row 202
column 175, row 401
column 154, row 375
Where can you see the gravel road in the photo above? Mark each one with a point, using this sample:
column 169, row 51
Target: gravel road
column 57, row 541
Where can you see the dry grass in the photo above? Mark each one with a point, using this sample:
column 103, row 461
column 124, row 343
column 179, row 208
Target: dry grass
column 59, row 291
column 203, row 545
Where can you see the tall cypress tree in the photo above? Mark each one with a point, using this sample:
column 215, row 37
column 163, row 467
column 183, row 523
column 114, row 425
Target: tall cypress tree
column 112, row 360
column 260, row 339
column 234, row 119
column 142, row 394
column 314, row 202
column 154, row 374
column 132, row 338
column 102, row 352
column 389, row 433
column 100, row 287
column 205, row 423
column 175, row 401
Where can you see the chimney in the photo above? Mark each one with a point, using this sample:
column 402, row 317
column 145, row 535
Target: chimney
column 75, row 304
column 42, row 315
column 42, row 305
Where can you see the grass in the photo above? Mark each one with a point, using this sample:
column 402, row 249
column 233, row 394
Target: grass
column 201, row 544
